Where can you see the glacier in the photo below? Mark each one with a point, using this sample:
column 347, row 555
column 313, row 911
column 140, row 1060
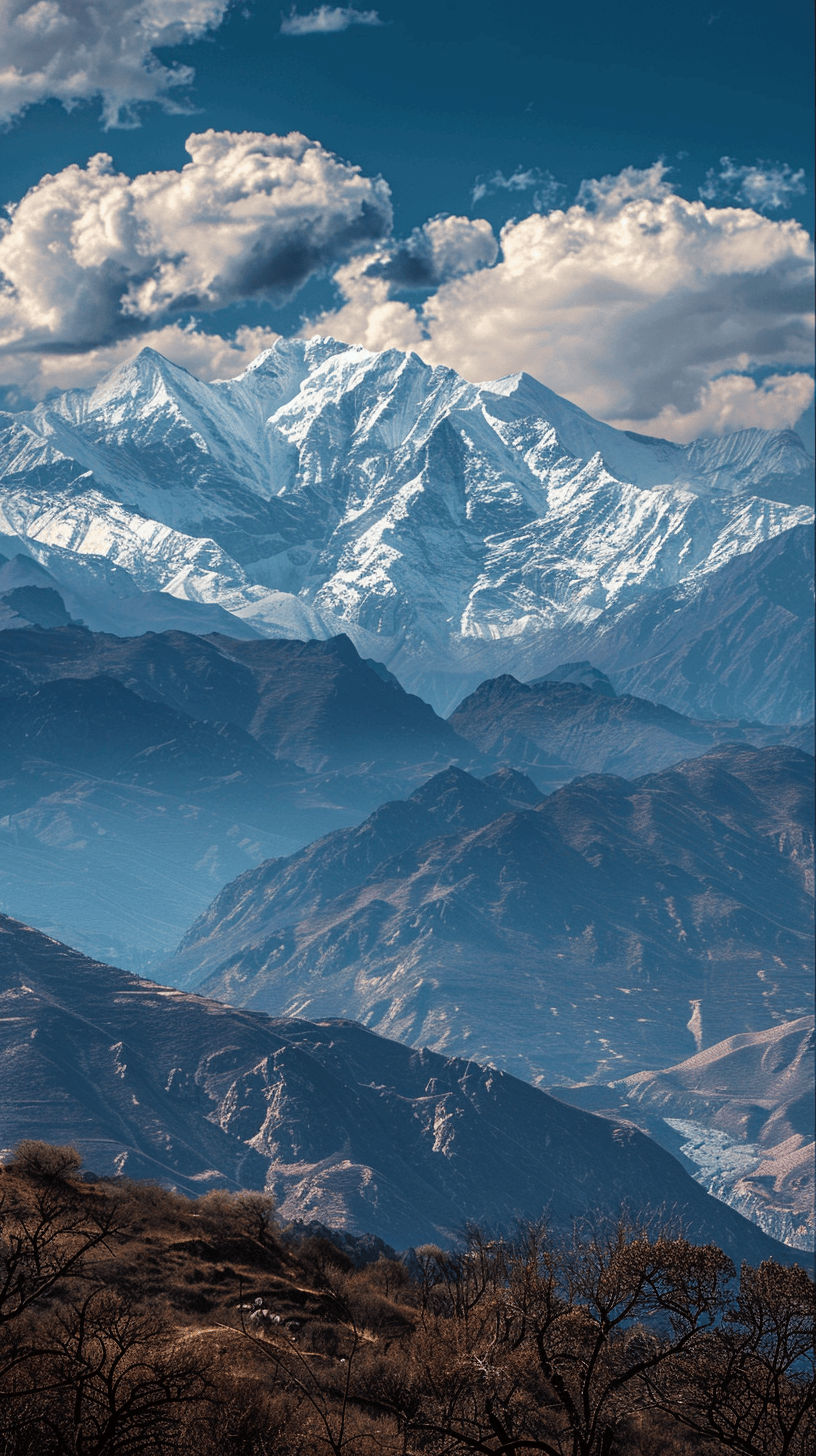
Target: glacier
column 445, row 526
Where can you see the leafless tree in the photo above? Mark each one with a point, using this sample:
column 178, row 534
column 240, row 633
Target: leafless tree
column 48, row 1231
column 750, row 1383
column 552, row 1355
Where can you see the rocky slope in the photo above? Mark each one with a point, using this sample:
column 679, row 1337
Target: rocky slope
column 341, row 1125
column 557, row 729
column 600, row 931
column 445, row 526
column 738, row 643
column 740, row 1115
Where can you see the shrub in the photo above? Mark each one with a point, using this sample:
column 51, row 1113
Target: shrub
column 44, row 1161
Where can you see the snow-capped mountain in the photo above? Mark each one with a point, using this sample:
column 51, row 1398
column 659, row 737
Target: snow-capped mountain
column 328, row 488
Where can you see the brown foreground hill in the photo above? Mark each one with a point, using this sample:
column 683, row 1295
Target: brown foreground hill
column 133, row 1320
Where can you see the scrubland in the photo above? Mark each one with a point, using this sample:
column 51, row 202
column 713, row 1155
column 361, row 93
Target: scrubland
column 135, row 1320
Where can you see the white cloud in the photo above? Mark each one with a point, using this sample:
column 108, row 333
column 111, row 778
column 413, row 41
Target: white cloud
column 608, row 195
column 767, row 186
column 632, row 302
column 77, row 50
column 734, row 402
column 544, row 186
column 327, row 20
column 368, row 315
column 208, row 356
column 90, row 256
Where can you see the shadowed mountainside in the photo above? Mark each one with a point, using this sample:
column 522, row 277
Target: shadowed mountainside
column 341, row 1125
column 140, row 775
column 555, row 730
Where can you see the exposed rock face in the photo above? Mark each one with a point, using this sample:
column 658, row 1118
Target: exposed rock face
column 450, row 529
column 344, row 1126
column 741, row 1116
column 574, row 939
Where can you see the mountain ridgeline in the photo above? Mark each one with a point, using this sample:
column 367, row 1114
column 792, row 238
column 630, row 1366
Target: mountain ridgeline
column 454, row 531
column 585, row 934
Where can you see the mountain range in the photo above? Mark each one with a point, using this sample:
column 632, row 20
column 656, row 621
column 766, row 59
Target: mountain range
column 599, row 931
column 341, row 1125
column 453, row 531
column 438, row 706
column 140, row 775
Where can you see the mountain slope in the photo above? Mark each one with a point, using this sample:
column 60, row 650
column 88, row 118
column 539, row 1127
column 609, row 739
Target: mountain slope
column 99, row 727
column 341, row 1125
column 556, row 730
column 330, row 489
column 610, row 925
column 737, row 643
column 316, row 703
column 97, row 594
column 740, row 1114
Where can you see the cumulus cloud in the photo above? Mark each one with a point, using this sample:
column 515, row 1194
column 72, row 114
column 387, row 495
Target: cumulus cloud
column 632, row 302
column 543, row 185
column 77, row 50
column 28, row 376
column 767, row 186
column 369, row 316
column 327, row 19
column 444, row 247
column 90, row 256
column 734, row 402
column 649, row 310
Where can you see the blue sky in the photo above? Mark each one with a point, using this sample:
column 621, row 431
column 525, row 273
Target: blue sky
column 485, row 112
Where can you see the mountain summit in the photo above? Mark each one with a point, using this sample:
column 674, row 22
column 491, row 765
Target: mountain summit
column 443, row 525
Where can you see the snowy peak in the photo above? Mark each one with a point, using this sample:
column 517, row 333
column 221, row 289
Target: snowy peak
column 770, row 463
column 332, row 489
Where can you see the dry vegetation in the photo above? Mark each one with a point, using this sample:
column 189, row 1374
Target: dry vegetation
column 136, row 1322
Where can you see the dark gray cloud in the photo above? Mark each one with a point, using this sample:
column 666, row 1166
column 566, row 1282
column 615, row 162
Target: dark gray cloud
column 443, row 248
